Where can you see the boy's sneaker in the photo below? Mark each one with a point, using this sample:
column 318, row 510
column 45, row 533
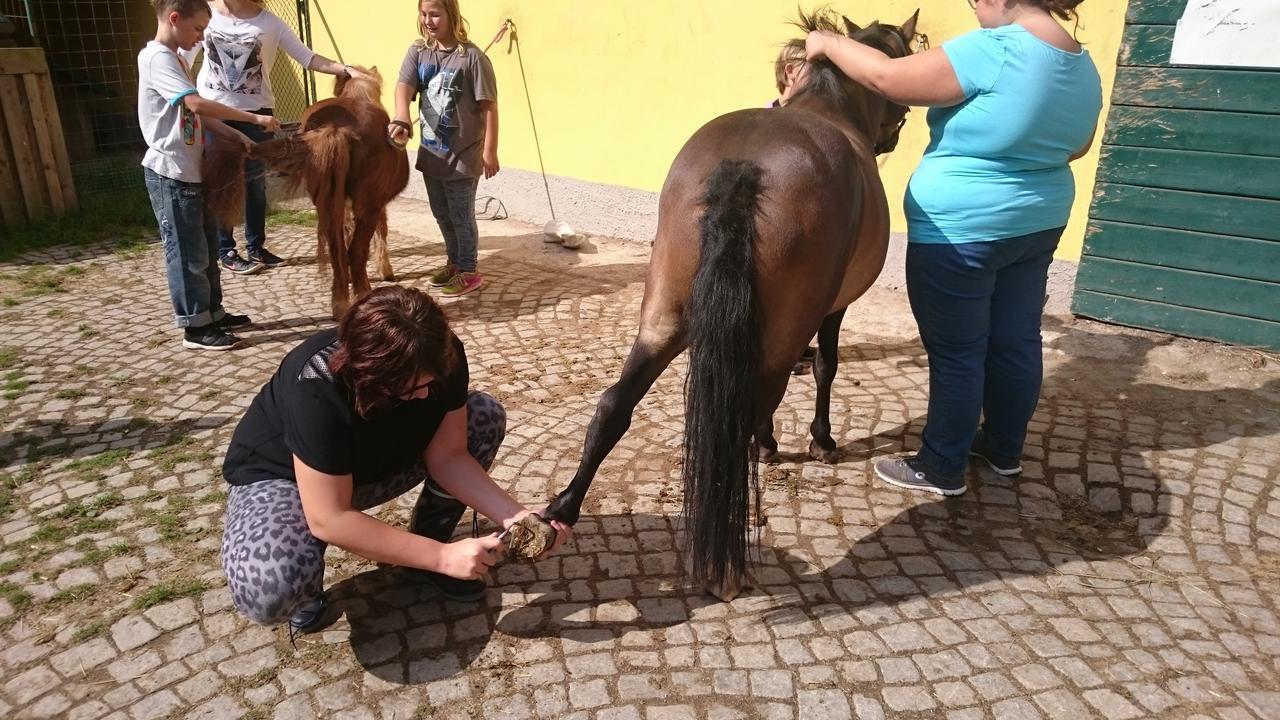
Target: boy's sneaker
column 912, row 474
column 462, row 283
column 209, row 337
column 233, row 263
column 1000, row 464
column 265, row 257
column 442, row 275
column 231, row 321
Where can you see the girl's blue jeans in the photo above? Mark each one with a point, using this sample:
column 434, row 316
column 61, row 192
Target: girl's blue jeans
column 453, row 203
column 255, row 194
column 978, row 306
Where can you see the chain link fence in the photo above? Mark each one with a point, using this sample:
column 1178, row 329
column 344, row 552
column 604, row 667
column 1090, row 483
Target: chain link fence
column 92, row 48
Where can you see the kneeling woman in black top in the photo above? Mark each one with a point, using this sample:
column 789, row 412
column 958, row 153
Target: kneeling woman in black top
column 351, row 419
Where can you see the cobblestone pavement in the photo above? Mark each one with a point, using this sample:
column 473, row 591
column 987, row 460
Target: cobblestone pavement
column 1133, row 570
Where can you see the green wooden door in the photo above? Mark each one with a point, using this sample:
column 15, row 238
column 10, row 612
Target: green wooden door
column 1184, row 229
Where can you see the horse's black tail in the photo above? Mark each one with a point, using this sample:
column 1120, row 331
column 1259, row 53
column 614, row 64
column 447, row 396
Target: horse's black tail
column 720, row 392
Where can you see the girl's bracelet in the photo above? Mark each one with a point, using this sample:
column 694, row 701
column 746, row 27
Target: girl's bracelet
column 403, row 125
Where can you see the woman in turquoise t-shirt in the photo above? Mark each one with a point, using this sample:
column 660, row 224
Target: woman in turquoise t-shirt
column 1010, row 106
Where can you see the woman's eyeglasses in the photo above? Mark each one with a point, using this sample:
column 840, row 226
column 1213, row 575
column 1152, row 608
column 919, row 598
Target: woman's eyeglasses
column 973, row 4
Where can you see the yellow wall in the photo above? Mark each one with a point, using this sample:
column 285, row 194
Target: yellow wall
column 617, row 87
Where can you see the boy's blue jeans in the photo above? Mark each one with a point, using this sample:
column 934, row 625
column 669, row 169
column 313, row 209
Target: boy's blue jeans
column 978, row 306
column 255, row 194
column 190, row 250
column 453, row 203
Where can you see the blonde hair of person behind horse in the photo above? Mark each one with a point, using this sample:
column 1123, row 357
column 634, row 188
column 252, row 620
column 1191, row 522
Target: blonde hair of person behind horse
column 457, row 23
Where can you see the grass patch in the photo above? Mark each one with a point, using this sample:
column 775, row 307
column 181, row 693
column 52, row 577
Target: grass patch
column 214, row 496
column 69, row 394
column 18, row 598
column 141, row 404
column 122, row 217
column 9, row 483
column 97, row 555
column 281, row 216
column 176, row 452
column 88, row 632
column 86, row 331
column 170, row 590
column 94, row 467
column 75, row 593
column 14, row 384
column 9, row 357
column 40, row 280
column 78, row 518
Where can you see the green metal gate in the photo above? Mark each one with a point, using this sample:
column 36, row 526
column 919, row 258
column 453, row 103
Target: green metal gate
column 1184, row 229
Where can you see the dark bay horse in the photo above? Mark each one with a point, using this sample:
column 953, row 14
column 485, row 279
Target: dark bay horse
column 342, row 156
column 770, row 223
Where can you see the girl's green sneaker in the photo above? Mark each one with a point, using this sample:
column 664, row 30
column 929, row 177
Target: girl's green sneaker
column 442, row 275
column 462, row 283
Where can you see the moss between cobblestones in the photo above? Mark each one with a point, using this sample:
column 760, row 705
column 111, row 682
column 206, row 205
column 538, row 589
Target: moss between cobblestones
column 15, row 384
column 18, row 598
column 9, row 356
column 170, row 590
column 89, row 631
column 178, row 450
column 73, row 594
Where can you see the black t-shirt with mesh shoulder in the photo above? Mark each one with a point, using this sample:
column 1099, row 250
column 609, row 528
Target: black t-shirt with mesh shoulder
column 304, row 410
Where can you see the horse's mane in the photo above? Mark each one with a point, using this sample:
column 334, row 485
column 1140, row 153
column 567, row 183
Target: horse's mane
column 366, row 88
column 825, row 79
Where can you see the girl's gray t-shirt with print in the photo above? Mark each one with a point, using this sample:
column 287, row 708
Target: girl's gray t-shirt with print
column 451, row 86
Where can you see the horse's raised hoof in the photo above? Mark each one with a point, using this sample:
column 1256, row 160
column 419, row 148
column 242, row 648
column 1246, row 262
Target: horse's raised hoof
column 830, row 456
column 731, row 587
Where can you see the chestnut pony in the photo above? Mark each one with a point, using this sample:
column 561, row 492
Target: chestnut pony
column 770, row 223
column 342, row 156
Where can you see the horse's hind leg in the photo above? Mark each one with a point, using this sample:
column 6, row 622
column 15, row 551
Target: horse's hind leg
column 650, row 355
column 823, row 447
column 358, row 254
column 381, row 256
column 766, row 444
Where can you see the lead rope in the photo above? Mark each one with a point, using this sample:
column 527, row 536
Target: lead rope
column 515, row 41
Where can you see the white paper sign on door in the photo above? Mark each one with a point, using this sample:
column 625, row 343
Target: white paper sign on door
column 1238, row 33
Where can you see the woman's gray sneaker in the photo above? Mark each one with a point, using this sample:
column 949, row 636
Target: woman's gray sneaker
column 912, row 474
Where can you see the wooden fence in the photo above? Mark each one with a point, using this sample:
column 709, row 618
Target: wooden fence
column 35, row 170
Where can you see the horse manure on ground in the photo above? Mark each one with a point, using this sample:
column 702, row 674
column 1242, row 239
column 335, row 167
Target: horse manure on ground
column 530, row 537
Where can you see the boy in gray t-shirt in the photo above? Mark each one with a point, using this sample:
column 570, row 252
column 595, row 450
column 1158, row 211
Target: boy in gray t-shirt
column 170, row 114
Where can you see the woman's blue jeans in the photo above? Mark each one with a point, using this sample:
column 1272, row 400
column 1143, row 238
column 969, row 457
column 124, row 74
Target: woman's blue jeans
column 453, row 203
column 978, row 306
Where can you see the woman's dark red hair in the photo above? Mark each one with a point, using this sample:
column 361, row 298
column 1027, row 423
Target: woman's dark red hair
column 386, row 341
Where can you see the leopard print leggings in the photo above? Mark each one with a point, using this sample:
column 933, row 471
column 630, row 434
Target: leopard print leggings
column 272, row 561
